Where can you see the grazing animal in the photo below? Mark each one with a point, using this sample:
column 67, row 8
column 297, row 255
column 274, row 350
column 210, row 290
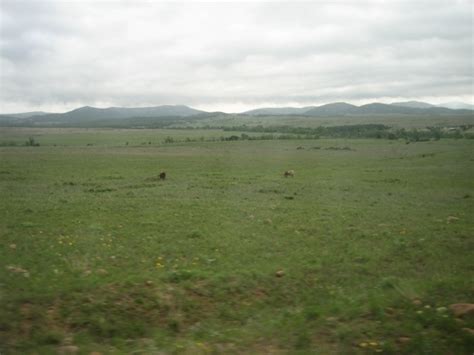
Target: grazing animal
column 162, row 175
column 289, row 173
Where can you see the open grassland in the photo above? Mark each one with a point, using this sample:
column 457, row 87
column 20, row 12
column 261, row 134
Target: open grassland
column 395, row 121
column 105, row 137
column 361, row 251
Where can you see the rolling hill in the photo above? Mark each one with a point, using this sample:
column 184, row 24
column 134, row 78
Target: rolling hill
column 87, row 114
column 26, row 114
column 93, row 113
column 267, row 111
column 413, row 104
column 457, row 105
column 345, row 109
column 168, row 115
column 334, row 109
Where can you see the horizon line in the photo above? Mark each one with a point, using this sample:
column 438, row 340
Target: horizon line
column 247, row 110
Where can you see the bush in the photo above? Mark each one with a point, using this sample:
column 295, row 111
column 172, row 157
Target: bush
column 31, row 142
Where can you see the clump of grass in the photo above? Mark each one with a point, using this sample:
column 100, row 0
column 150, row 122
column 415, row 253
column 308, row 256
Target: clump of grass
column 100, row 190
column 177, row 276
column 195, row 235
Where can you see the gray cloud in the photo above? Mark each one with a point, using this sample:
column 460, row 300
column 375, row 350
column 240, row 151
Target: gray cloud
column 57, row 55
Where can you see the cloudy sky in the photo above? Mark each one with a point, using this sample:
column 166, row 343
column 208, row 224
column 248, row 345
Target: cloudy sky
column 232, row 56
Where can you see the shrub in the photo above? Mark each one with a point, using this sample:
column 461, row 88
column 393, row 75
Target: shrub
column 31, row 142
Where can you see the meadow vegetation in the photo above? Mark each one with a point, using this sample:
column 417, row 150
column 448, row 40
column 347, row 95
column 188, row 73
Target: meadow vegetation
column 362, row 251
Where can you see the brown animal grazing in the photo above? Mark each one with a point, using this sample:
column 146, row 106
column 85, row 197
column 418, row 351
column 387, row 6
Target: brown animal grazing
column 289, row 173
column 162, row 175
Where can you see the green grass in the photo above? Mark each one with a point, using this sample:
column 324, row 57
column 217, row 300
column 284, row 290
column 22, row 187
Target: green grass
column 396, row 121
column 105, row 137
column 97, row 252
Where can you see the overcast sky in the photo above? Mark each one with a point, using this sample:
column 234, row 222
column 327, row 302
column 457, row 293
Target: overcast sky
column 233, row 56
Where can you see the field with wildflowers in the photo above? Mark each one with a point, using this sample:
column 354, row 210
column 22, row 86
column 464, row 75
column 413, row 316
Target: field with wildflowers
column 362, row 251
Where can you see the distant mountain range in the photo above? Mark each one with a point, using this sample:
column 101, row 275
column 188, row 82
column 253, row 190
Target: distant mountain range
column 413, row 104
column 26, row 114
column 171, row 113
column 88, row 112
column 451, row 105
column 84, row 115
column 278, row 111
column 345, row 109
column 457, row 105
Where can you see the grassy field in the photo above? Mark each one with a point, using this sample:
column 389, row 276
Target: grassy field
column 362, row 251
column 396, row 121
column 105, row 137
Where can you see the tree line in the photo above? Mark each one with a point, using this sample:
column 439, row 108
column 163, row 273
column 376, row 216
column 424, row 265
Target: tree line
column 378, row 131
